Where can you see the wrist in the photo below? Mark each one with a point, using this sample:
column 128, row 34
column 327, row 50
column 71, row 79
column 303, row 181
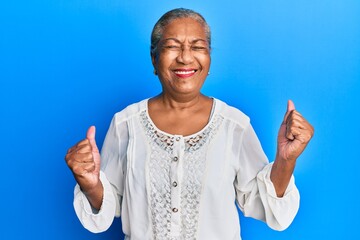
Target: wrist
column 281, row 172
column 92, row 190
column 288, row 160
column 95, row 195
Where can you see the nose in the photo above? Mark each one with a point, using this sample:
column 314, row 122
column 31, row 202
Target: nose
column 185, row 56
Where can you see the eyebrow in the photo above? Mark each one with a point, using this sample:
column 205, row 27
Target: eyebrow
column 178, row 41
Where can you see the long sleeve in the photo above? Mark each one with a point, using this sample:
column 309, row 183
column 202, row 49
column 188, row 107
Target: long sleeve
column 155, row 179
column 255, row 192
column 279, row 212
column 113, row 162
column 92, row 220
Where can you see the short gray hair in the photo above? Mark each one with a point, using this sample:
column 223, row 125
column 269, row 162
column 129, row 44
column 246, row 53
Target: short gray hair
column 172, row 15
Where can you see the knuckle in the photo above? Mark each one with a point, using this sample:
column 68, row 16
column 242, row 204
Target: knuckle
column 70, row 165
column 88, row 156
column 87, row 147
column 82, row 142
column 77, row 169
column 84, row 148
column 309, row 136
column 68, row 158
column 91, row 167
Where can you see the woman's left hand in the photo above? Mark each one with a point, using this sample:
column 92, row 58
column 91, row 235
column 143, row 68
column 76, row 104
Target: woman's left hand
column 294, row 134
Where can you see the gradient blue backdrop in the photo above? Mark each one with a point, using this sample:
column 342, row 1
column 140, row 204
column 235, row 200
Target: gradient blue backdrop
column 65, row 65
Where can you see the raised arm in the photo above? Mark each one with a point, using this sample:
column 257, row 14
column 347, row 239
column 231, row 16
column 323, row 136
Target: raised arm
column 294, row 135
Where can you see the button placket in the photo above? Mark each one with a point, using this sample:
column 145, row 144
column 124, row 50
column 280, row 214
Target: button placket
column 175, row 178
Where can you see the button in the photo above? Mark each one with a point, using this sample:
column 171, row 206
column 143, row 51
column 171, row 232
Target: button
column 175, row 210
column 177, row 139
column 175, row 159
column 174, row 184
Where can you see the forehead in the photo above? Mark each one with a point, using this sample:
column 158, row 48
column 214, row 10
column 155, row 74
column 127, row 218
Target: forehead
column 184, row 28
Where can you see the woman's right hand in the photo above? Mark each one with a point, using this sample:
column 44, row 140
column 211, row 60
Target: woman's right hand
column 83, row 159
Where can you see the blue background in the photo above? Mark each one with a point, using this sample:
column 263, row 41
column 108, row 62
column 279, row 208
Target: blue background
column 65, row 65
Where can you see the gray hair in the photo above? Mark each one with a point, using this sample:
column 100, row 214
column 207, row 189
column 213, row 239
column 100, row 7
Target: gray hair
column 172, row 15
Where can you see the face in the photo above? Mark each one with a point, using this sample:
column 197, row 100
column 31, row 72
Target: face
column 183, row 57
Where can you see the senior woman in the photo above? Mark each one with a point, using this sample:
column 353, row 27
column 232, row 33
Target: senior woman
column 173, row 166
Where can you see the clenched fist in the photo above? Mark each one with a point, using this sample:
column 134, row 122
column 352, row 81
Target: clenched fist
column 83, row 160
column 294, row 134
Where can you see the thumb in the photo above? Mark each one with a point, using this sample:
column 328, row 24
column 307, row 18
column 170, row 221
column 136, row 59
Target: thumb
column 290, row 107
column 90, row 135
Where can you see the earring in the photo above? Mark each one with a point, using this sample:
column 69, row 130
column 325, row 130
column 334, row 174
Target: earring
column 155, row 72
column 209, row 73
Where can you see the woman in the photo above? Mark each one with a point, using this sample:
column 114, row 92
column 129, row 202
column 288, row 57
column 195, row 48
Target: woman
column 172, row 166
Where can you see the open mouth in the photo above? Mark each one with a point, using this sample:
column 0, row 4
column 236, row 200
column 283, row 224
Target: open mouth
column 184, row 73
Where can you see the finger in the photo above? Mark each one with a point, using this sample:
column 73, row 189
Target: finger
column 301, row 135
column 72, row 149
column 83, row 168
column 74, row 158
column 305, row 136
column 296, row 114
column 290, row 105
column 293, row 123
column 89, row 167
column 290, row 108
column 289, row 134
column 83, row 149
column 90, row 135
column 82, row 142
column 292, row 132
column 296, row 119
column 83, row 157
column 300, row 132
column 79, row 144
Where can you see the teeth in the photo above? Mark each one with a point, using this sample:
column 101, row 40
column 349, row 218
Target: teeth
column 184, row 72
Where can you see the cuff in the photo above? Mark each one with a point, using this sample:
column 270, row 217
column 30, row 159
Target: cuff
column 280, row 211
column 93, row 220
column 270, row 188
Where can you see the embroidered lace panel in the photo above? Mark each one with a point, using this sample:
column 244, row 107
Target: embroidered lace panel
column 194, row 163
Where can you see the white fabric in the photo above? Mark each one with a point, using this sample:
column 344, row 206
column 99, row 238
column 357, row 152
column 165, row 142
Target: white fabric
column 185, row 187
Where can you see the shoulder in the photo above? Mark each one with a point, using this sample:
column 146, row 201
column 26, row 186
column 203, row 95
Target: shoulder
column 232, row 114
column 131, row 111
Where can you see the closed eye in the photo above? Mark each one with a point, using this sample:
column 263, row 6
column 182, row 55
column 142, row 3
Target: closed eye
column 199, row 48
column 172, row 47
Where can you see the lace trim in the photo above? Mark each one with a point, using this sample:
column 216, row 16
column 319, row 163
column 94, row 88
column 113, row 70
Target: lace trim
column 194, row 168
column 160, row 192
column 194, row 143
column 194, row 164
column 166, row 141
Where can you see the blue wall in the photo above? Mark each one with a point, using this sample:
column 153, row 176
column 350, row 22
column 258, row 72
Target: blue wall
column 65, row 65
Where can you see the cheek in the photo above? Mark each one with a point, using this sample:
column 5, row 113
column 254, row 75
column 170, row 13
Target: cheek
column 165, row 59
column 204, row 61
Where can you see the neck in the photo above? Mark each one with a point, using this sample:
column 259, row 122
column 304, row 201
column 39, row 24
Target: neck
column 180, row 102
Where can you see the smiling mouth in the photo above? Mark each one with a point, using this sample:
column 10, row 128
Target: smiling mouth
column 184, row 73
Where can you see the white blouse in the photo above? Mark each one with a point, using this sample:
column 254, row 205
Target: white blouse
column 185, row 187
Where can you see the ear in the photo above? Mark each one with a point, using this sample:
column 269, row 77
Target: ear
column 153, row 60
